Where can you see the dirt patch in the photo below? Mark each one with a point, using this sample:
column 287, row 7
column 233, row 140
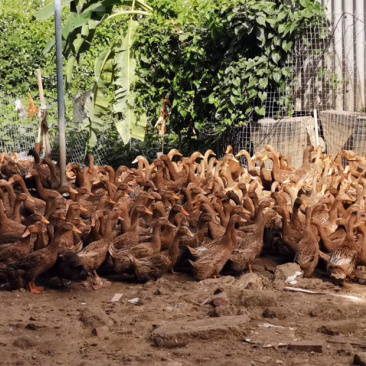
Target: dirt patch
column 79, row 326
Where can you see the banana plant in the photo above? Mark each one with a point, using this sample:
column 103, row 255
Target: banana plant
column 114, row 66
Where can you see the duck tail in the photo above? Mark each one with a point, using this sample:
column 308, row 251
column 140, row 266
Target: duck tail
column 134, row 261
column 115, row 253
column 338, row 274
column 324, row 256
column 194, row 252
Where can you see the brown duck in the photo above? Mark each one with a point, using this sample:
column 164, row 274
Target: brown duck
column 210, row 260
column 34, row 264
column 156, row 265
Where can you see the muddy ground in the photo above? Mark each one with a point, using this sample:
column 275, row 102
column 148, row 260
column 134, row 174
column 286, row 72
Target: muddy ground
column 247, row 320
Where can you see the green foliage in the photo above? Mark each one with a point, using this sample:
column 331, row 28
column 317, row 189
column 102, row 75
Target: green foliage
column 114, row 66
column 215, row 60
column 21, row 47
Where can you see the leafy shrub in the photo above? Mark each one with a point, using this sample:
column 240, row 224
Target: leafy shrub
column 215, row 60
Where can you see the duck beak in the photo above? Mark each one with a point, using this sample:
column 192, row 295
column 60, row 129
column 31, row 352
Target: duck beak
column 74, row 191
column 83, row 209
column 238, row 154
column 69, row 175
column 93, row 221
column 148, row 211
column 184, row 212
column 175, row 197
column 286, row 181
column 76, row 230
column 228, row 149
column 152, row 166
column 44, row 220
column 114, row 202
column 26, row 233
column 63, row 217
column 121, row 218
column 179, row 154
column 265, row 158
column 29, row 175
column 135, row 161
column 30, row 199
column 11, row 180
column 236, row 160
column 304, row 204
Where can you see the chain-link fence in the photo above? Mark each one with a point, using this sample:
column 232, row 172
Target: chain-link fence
column 328, row 74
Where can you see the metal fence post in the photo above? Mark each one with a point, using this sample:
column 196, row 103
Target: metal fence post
column 60, row 91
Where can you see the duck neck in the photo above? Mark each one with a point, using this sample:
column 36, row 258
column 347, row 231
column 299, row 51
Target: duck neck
column 39, row 243
column 191, row 170
column 16, row 210
column 40, row 188
column 203, row 166
column 350, row 226
column 79, row 176
column 333, row 213
column 11, row 194
column 230, row 234
column 210, row 167
column 226, row 173
column 173, row 250
column 3, row 217
column 295, row 214
column 188, row 196
column 223, row 218
column 159, row 177
column 111, row 174
column 86, row 182
column 173, row 172
column 108, row 232
column 50, row 166
column 156, row 239
column 291, row 192
column 250, row 162
column 276, row 166
column 71, row 214
column 23, row 186
column 134, row 219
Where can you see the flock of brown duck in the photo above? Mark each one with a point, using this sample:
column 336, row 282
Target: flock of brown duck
column 196, row 214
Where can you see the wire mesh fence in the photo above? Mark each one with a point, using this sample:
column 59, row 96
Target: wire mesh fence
column 327, row 74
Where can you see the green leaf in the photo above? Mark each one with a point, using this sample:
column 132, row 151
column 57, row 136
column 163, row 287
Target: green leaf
column 261, row 21
column 139, row 129
column 287, row 45
column 49, row 10
column 276, row 76
column 49, row 46
column 70, row 65
column 123, row 129
column 276, row 57
column 262, row 96
column 261, row 111
column 304, row 3
column 263, row 83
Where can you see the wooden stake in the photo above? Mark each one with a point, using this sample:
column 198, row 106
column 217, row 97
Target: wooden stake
column 43, row 134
